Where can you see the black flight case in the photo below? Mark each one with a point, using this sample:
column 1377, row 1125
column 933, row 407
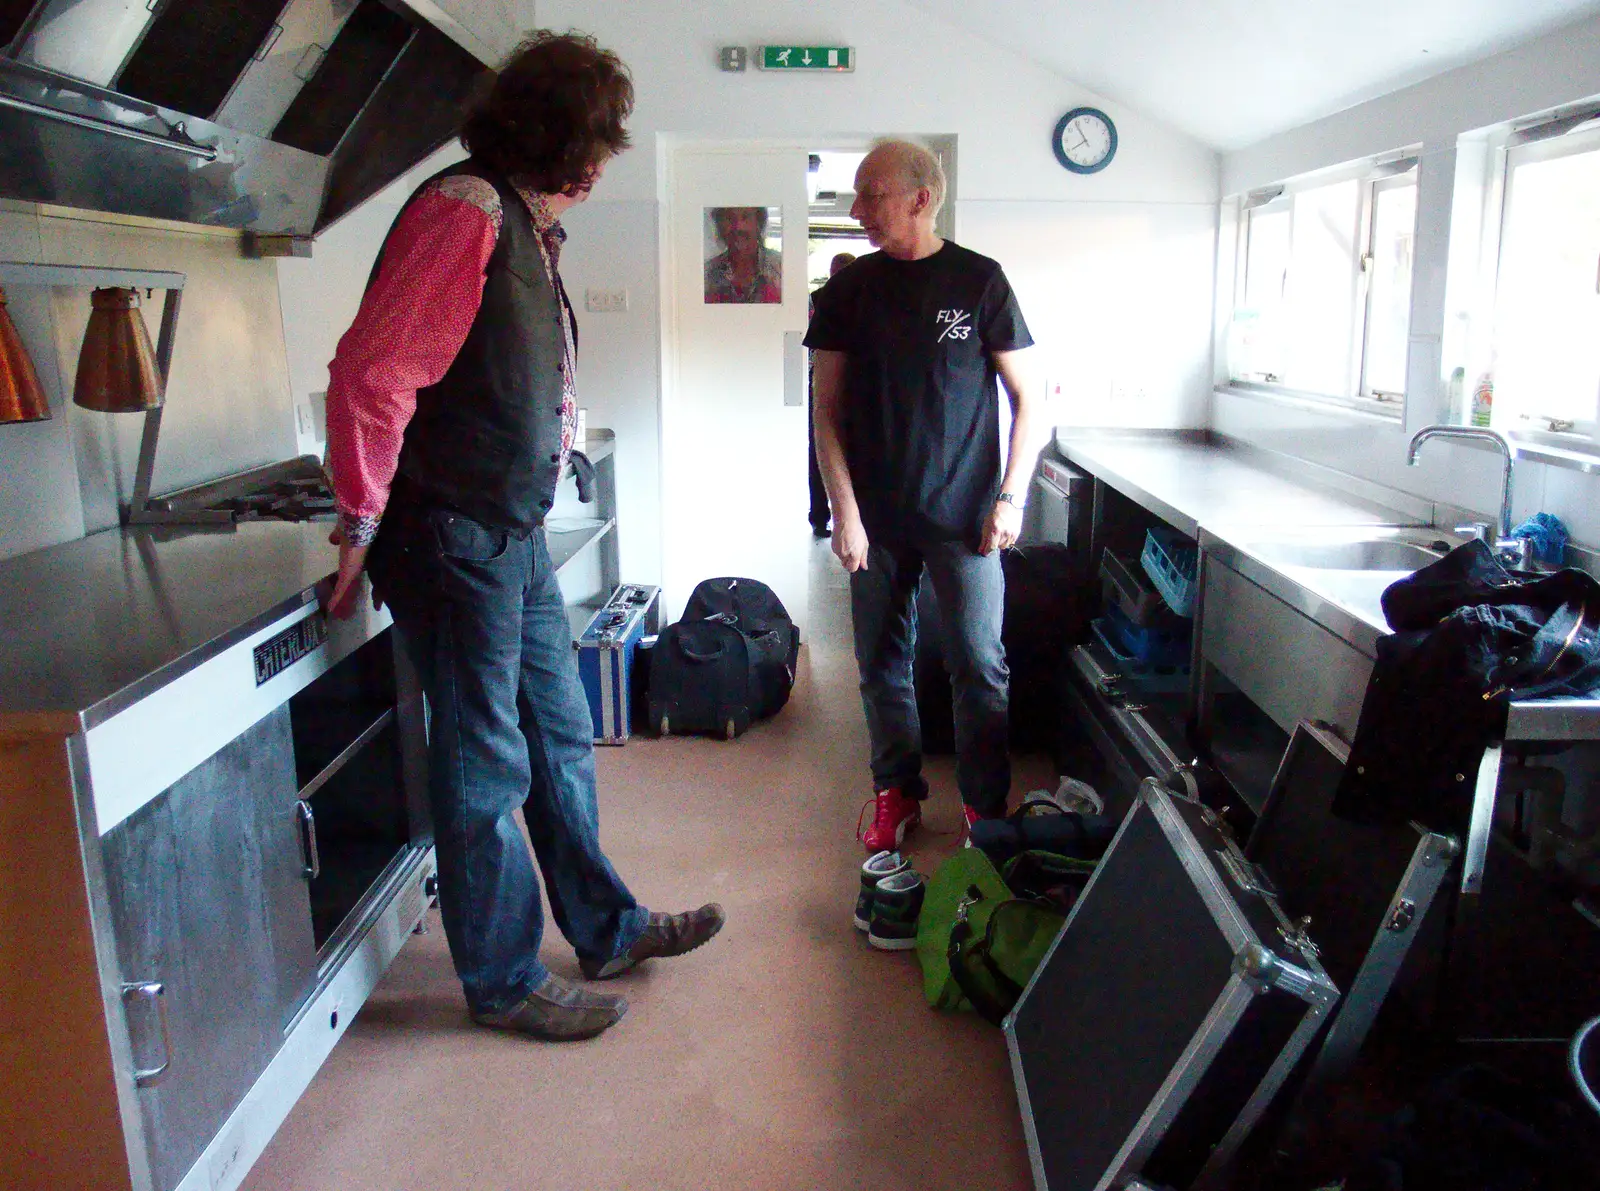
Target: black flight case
column 1167, row 1015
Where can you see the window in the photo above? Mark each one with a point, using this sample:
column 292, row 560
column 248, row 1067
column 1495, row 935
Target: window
column 1546, row 343
column 1323, row 305
column 1388, row 273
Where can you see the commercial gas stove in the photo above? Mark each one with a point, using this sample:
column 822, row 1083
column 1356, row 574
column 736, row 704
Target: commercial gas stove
column 293, row 490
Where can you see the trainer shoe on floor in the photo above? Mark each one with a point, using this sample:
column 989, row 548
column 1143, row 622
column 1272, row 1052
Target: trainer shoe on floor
column 877, row 867
column 896, row 903
column 558, row 1011
column 664, row 935
column 1074, row 796
column 893, row 815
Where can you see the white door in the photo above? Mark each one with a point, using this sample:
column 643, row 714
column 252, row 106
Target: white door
column 733, row 426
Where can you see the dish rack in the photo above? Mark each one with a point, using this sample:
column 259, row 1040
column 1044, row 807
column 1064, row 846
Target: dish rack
column 1172, row 562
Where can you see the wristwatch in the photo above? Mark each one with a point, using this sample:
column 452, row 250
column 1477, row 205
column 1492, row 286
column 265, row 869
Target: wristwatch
column 1010, row 499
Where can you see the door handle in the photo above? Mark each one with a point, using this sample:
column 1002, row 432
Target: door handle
column 308, row 839
column 153, row 991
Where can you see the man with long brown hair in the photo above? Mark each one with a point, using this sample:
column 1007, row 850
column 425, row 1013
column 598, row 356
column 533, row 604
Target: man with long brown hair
column 451, row 414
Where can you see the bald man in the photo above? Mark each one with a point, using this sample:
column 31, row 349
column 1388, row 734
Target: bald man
column 910, row 345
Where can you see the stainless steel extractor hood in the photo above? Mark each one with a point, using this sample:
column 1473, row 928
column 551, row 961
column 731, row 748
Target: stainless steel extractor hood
column 268, row 116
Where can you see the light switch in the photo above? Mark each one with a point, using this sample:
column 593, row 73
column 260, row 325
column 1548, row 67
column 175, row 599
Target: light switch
column 605, row 301
column 795, row 375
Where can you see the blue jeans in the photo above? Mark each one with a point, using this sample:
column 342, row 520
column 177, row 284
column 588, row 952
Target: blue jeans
column 509, row 725
column 971, row 590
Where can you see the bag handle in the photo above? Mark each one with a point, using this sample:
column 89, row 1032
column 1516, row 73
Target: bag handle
column 1079, row 830
column 991, row 1008
column 1055, row 863
column 987, row 1006
column 1035, row 802
column 694, row 655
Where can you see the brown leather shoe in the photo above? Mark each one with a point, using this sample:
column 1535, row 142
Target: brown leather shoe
column 663, row 935
column 558, row 1011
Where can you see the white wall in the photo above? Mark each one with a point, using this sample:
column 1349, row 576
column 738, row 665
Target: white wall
column 613, row 245
column 1551, row 72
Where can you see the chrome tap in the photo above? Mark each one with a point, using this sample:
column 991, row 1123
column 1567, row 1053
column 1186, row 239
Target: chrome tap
column 1513, row 552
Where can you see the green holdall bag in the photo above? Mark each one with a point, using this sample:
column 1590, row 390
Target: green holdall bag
column 968, row 868
column 995, row 945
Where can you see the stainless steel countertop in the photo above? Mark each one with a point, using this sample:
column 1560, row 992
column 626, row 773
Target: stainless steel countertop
column 1190, row 481
column 89, row 625
column 1227, row 496
column 88, row 621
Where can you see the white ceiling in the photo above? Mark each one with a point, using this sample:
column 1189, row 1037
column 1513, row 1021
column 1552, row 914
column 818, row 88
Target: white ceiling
column 1231, row 72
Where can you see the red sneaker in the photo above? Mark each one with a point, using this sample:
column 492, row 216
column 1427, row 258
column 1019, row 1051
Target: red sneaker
column 893, row 815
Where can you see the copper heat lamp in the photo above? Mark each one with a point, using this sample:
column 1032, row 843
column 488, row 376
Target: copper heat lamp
column 21, row 397
column 117, row 370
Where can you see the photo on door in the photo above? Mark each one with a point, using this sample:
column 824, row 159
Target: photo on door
column 744, row 255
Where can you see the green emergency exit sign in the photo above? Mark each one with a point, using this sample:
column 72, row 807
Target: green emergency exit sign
column 806, row 57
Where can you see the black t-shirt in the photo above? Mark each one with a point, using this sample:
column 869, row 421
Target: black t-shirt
column 921, row 402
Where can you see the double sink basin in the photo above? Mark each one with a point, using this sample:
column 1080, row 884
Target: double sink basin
column 1403, row 551
column 1336, row 575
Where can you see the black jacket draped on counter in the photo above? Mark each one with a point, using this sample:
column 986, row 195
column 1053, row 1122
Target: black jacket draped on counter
column 1469, row 637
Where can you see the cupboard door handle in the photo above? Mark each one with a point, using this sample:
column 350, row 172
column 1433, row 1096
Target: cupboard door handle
column 156, row 992
column 308, row 831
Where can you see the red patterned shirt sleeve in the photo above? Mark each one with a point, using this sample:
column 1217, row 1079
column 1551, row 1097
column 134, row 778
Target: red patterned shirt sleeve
column 411, row 324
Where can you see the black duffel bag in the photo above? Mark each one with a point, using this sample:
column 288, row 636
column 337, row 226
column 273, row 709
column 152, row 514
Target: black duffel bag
column 754, row 608
column 729, row 661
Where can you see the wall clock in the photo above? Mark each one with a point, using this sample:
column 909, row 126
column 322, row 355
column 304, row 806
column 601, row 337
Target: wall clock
column 1085, row 140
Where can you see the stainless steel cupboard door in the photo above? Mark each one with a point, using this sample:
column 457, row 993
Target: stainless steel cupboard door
column 209, row 901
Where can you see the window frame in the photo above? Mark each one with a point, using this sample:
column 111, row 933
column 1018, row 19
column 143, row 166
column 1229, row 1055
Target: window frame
column 1549, row 141
column 1374, row 176
column 1375, row 187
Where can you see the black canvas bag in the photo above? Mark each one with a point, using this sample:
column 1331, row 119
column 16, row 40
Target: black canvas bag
column 754, row 607
column 728, row 661
column 772, row 639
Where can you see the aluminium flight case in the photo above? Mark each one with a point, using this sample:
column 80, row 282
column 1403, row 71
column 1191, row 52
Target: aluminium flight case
column 607, row 653
column 1169, row 1011
column 1366, row 888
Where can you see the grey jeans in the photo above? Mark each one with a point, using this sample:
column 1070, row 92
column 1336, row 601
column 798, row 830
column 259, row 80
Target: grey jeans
column 971, row 592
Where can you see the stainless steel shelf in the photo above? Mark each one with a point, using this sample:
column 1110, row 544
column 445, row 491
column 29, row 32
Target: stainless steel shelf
column 564, row 547
column 88, row 276
column 347, row 754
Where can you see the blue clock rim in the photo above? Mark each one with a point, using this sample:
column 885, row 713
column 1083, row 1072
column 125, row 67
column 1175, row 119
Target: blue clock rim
column 1067, row 162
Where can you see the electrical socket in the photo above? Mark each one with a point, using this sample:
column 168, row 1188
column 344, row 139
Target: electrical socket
column 1127, row 392
column 302, row 418
column 605, row 301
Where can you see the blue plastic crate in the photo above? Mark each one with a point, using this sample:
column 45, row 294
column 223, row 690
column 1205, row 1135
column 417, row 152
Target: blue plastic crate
column 1151, row 679
column 1171, row 560
column 1165, row 646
